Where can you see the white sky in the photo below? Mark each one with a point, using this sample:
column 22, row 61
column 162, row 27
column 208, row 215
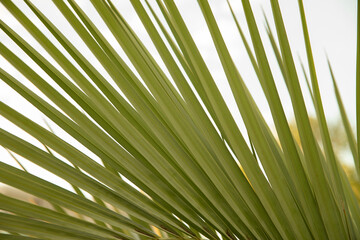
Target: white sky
column 332, row 27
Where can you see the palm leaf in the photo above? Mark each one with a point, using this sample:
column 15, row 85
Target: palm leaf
column 161, row 154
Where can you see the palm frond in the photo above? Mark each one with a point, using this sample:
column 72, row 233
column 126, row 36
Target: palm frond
column 161, row 155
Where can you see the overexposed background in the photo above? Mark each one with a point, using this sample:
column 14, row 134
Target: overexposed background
column 332, row 27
